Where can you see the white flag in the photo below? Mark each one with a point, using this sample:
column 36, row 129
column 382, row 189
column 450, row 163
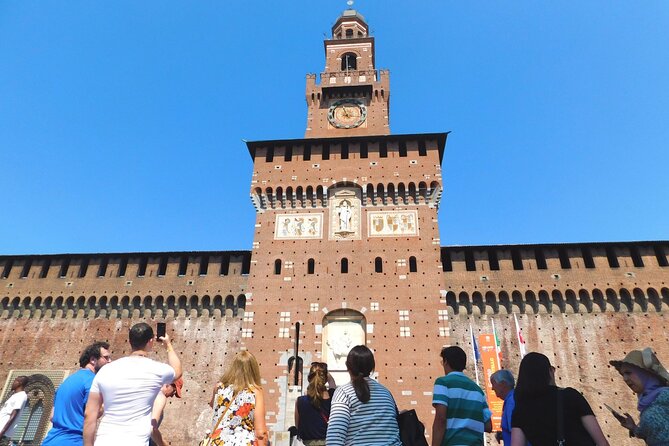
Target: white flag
column 521, row 341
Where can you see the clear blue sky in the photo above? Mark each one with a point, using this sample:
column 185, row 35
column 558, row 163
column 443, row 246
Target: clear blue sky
column 121, row 123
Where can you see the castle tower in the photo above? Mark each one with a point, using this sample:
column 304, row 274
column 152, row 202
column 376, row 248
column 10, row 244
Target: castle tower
column 352, row 98
column 346, row 238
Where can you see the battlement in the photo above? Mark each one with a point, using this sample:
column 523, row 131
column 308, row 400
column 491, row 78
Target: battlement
column 557, row 278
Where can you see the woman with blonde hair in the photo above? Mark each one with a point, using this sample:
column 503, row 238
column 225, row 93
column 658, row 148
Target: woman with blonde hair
column 312, row 411
column 239, row 405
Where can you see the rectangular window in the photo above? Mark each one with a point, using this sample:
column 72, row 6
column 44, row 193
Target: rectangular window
column 364, row 151
column 141, row 268
column 289, row 153
column 446, row 264
column 269, row 156
column 122, row 266
column 612, row 257
column 225, row 265
column 45, row 269
column 383, row 150
column 422, row 151
column 7, row 269
column 204, row 265
column 162, row 266
column 469, row 261
column 83, row 267
column 636, row 257
column 661, row 256
column 183, row 265
column 540, row 258
column 403, row 148
column 326, row 151
column 517, row 260
column 565, row 261
column 246, row 263
column 26, row 268
column 307, row 153
column 102, row 270
column 588, row 261
column 64, row 267
column 492, row 260
column 344, row 151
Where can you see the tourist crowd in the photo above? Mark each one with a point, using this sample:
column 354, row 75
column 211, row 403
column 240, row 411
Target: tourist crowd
column 121, row 403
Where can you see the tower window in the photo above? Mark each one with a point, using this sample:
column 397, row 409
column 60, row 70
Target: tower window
column 383, row 150
column 102, row 270
column 349, row 33
column 344, row 151
column 422, row 151
column 349, row 61
column 378, row 265
column 45, row 269
column 565, row 263
column 83, row 267
column 183, row 265
column 493, row 261
column 612, row 258
column 363, row 150
column 122, row 267
column 446, row 263
column 661, row 256
column 413, row 266
column 517, row 260
column 64, row 267
column 204, row 265
column 470, row 264
column 225, row 265
column 344, row 265
column 636, row 257
column 587, row 257
column 141, row 269
column 7, row 269
column 311, row 266
column 540, row 258
column 26, row 268
column 277, row 266
column 162, row 266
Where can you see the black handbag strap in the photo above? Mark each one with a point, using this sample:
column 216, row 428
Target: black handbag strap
column 560, row 418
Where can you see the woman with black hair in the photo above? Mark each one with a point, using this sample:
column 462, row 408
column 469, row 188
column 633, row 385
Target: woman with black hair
column 363, row 411
column 535, row 418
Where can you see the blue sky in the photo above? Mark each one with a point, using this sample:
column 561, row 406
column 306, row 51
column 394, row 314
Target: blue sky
column 121, row 123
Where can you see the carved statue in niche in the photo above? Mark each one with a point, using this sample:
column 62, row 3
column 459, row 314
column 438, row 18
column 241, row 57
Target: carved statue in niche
column 344, row 213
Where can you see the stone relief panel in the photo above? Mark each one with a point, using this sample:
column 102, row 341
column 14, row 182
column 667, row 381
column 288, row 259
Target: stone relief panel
column 392, row 223
column 298, row 226
column 344, row 205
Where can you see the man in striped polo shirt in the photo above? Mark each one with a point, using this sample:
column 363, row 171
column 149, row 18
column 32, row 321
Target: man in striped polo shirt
column 461, row 411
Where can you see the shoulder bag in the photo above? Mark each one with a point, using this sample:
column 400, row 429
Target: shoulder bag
column 208, row 440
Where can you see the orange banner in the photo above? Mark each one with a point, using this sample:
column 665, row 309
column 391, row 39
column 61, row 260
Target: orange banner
column 491, row 365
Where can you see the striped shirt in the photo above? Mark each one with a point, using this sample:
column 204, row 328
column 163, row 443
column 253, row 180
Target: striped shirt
column 373, row 423
column 467, row 409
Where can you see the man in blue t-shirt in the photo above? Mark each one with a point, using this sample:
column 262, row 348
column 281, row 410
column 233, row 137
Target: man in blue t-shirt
column 71, row 397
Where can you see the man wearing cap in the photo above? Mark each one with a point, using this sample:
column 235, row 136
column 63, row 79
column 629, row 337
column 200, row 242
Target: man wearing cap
column 645, row 375
column 71, row 397
column 167, row 391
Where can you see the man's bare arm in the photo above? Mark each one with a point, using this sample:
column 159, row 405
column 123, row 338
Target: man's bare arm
column 93, row 407
column 439, row 424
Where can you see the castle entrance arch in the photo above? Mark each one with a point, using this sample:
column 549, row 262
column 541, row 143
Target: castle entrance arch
column 342, row 330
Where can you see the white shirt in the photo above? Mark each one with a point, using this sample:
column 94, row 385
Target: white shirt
column 15, row 402
column 128, row 387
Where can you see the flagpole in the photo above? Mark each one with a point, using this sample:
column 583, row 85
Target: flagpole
column 476, row 362
column 519, row 336
column 494, row 333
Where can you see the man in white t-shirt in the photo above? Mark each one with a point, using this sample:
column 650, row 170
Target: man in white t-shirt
column 127, row 387
column 10, row 413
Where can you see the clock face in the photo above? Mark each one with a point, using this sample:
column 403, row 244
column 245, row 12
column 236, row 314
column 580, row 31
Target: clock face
column 347, row 113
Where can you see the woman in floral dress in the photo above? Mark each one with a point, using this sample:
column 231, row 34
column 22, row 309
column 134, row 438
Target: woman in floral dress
column 240, row 393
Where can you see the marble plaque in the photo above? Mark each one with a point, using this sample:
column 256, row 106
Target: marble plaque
column 392, row 224
column 298, row 226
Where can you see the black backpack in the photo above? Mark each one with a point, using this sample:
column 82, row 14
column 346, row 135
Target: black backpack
column 412, row 431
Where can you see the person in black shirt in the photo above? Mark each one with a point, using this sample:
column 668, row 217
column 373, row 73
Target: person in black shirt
column 535, row 417
column 312, row 411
